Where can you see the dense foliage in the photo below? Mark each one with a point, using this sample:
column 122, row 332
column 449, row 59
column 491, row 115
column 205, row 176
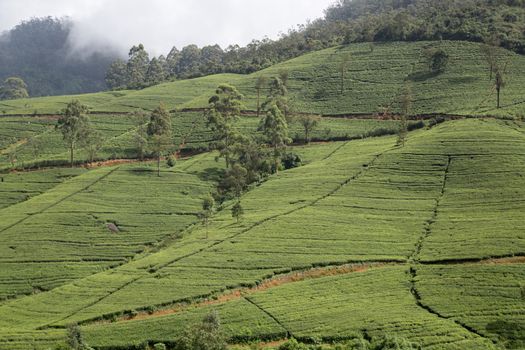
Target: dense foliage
column 38, row 51
column 347, row 21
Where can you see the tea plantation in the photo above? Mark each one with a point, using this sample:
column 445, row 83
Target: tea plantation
column 373, row 80
column 34, row 142
column 367, row 237
column 431, row 235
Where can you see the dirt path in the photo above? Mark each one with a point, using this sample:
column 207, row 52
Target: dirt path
column 274, row 282
column 297, row 276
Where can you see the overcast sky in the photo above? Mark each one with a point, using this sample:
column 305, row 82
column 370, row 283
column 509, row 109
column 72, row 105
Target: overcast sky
column 160, row 24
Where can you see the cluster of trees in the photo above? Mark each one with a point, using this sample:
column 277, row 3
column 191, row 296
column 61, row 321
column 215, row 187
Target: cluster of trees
column 346, row 21
column 250, row 158
column 13, row 88
column 39, row 52
column 152, row 133
column 413, row 20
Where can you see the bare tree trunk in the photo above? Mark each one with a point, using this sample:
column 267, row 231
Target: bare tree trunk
column 307, row 136
column 71, row 155
column 497, row 93
column 158, row 164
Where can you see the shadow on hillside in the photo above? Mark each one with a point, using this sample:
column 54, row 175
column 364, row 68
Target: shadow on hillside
column 462, row 80
column 210, row 174
column 421, row 76
column 511, row 334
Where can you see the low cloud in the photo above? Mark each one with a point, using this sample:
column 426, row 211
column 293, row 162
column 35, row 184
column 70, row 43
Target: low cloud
column 161, row 24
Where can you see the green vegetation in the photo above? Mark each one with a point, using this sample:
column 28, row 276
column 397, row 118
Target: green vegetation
column 13, row 88
column 405, row 210
column 125, row 136
column 367, row 196
column 373, row 81
column 38, row 50
column 77, row 240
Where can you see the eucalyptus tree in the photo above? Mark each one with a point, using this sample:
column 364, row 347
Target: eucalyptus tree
column 74, row 125
column 159, row 132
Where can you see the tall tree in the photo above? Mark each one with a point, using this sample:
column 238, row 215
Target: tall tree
column 259, row 84
column 159, row 132
column 308, row 123
column 224, row 109
column 155, row 73
column 116, row 76
column 278, row 95
column 237, row 211
column 284, row 75
column 275, row 130
column 137, row 67
column 211, row 59
column 13, row 88
column 489, row 49
column 92, row 142
column 208, row 206
column 172, row 62
column 234, row 180
column 73, row 124
column 189, row 62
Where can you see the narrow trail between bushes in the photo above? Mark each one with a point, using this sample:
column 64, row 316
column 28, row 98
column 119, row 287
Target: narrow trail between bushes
column 178, row 306
column 419, row 302
column 211, row 245
column 278, row 280
column 244, row 292
column 427, row 230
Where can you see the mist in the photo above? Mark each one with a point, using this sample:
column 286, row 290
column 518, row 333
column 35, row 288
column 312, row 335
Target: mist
column 100, row 25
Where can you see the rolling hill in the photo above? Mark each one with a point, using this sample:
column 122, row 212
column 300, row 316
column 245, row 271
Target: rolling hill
column 431, row 232
column 373, row 80
column 367, row 238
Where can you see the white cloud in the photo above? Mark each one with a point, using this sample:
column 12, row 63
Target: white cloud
column 160, row 24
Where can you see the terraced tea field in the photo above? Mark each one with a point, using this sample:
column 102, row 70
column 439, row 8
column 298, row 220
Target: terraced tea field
column 367, row 238
column 34, row 141
column 374, row 80
column 62, row 234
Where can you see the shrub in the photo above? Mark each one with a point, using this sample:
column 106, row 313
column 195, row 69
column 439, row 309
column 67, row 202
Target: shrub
column 438, row 61
column 171, row 161
column 435, row 121
column 293, row 344
column 291, row 160
column 159, row 346
column 388, row 342
column 416, row 125
column 206, row 335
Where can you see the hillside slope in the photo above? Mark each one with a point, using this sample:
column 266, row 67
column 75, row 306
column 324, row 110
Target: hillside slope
column 408, row 212
column 373, row 80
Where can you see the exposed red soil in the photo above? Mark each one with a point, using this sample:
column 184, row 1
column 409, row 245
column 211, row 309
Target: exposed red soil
column 267, row 284
column 505, row 261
